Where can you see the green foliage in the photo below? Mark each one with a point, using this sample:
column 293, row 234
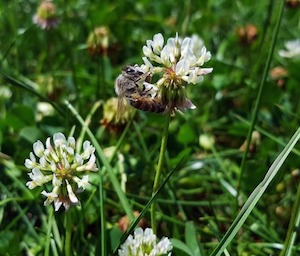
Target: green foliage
column 205, row 195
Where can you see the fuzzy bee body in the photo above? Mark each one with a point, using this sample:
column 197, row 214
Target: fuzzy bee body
column 133, row 85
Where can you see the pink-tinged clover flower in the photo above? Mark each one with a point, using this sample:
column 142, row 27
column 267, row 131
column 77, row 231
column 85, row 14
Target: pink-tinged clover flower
column 46, row 16
column 60, row 163
column 101, row 41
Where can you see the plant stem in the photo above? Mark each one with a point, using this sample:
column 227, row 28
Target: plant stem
column 102, row 216
column 49, row 229
column 163, row 147
column 293, row 227
column 68, row 234
column 260, row 94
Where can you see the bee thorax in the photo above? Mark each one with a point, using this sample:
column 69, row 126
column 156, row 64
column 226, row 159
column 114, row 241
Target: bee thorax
column 134, row 86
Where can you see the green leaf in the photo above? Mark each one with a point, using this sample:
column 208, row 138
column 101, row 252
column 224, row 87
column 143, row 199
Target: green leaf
column 180, row 248
column 30, row 133
column 19, row 117
column 114, row 237
column 186, row 134
column 191, row 238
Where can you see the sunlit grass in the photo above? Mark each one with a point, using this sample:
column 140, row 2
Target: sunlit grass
column 219, row 195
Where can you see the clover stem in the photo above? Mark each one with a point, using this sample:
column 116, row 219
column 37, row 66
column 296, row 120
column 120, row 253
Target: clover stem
column 163, row 147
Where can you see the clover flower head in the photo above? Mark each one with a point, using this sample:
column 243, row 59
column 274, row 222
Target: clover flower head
column 180, row 62
column 292, row 3
column 144, row 242
column 60, row 163
column 292, row 49
column 46, row 16
column 247, row 34
column 110, row 120
column 100, row 41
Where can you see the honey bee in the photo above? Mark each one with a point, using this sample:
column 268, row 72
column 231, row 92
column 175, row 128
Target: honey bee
column 133, row 86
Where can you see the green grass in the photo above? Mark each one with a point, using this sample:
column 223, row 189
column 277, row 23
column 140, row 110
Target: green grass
column 218, row 200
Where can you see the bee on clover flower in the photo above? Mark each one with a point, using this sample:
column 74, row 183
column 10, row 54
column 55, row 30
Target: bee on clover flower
column 177, row 62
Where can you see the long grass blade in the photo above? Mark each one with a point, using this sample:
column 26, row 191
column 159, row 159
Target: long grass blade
column 150, row 202
column 28, row 88
column 261, row 89
column 114, row 180
column 293, row 227
column 256, row 195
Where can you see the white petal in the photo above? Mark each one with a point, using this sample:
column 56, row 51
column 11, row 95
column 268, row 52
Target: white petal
column 59, row 139
column 53, row 166
column 173, row 50
column 71, row 194
column 197, row 44
column 204, row 71
column 56, row 182
column 161, row 81
column 38, row 148
column 48, row 143
column 32, row 157
column 37, row 176
column 207, row 56
column 92, row 160
column 30, row 163
column 165, row 56
column 182, row 67
column 31, row 184
column 66, row 163
column 204, row 57
column 78, row 159
column 84, row 182
column 164, row 246
column 43, row 162
column 71, row 142
column 186, row 46
column 147, row 63
column 70, row 150
column 88, row 149
column 158, row 42
column 147, row 51
column 57, row 204
column 139, row 232
column 47, row 152
column 50, row 197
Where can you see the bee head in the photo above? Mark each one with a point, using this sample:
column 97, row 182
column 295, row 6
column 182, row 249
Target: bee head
column 132, row 71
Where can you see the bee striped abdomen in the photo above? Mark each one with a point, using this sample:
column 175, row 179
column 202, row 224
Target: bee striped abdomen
column 147, row 104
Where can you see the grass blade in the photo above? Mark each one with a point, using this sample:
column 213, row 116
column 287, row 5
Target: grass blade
column 114, row 180
column 147, row 206
column 256, row 195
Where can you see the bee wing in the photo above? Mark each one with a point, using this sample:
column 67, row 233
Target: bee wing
column 122, row 105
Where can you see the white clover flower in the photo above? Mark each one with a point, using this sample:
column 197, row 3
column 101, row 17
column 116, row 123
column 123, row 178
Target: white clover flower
column 68, row 170
column 144, row 243
column 292, row 49
column 180, row 62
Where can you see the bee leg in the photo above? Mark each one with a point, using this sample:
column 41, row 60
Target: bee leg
column 149, row 90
